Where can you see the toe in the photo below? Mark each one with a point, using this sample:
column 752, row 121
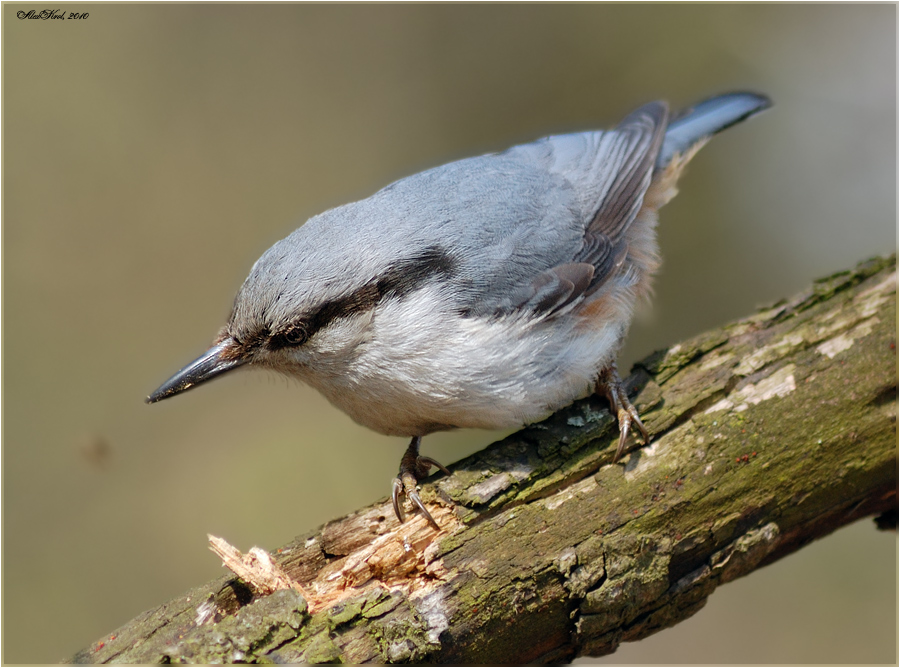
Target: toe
column 425, row 464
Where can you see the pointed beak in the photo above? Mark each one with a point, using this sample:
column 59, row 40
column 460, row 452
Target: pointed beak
column 222, row 357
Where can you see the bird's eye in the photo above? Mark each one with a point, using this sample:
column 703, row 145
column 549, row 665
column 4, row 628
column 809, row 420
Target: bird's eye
column 295, row 335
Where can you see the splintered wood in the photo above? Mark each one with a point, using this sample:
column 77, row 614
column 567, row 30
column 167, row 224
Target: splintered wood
column 402, row 557
column 256, row 568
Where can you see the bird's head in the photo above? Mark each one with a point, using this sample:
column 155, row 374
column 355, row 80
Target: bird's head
column 306, row 308
column 294, row 313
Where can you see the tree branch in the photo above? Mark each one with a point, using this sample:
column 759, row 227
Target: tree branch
column 767, row 433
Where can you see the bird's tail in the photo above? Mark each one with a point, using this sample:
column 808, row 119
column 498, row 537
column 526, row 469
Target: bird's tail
column 694, row 125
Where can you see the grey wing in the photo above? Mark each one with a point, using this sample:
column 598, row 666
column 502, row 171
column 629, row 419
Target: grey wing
column 534, row 228
column 610, row 173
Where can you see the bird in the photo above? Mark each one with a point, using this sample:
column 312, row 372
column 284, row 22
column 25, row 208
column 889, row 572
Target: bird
column 489, row 292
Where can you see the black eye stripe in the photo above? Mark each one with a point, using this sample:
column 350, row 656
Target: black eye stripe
column 398, row 281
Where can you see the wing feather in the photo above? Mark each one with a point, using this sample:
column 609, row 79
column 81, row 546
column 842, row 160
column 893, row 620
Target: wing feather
column 641, row 134
column 621, row 170
column 553, row 289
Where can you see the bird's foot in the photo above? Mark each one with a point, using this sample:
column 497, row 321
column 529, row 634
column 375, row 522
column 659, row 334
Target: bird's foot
column 610, row 385
column 413, row 468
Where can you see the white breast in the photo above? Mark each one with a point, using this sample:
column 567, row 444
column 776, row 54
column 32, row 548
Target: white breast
column 420, row 368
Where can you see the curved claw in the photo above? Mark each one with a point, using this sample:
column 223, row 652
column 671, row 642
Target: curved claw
column 413, row 468
column 414, row 497
column 406, row 485
column 624, row 430
column 395, row 499
column 610, row 385
column 629, row 416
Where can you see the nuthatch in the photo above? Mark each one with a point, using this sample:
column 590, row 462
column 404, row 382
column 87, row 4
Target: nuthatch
column 488, row 293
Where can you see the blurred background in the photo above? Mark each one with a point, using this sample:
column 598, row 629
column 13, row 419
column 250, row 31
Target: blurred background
column 153, row 152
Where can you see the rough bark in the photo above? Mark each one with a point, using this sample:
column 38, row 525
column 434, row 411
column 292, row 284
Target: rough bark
column 767, row 433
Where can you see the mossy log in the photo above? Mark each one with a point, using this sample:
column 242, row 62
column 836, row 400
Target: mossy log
column 767, row 433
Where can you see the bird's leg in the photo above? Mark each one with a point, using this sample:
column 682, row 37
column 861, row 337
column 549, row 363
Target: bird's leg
column 610, row 385
column 413, row 467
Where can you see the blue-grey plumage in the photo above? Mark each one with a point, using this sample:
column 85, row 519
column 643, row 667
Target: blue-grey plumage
column 487, row 292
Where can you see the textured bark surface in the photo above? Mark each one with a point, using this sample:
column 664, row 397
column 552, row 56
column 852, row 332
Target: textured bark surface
column 767, row 433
